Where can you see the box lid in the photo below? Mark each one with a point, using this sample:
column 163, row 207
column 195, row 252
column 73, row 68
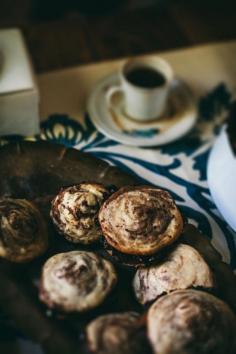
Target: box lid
column 15, row 67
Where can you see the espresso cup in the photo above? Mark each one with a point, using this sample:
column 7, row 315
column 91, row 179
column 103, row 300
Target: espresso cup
column 145, row 84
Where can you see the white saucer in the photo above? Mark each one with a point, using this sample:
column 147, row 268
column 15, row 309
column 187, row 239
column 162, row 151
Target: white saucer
column 179, row 118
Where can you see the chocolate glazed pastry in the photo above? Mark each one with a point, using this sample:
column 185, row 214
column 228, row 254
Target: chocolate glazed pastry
column 74, row 212
column 183, row 268
column 120, row 333
column 23, row 232
column 191, row 322
column 76, row 281
column 140, row 220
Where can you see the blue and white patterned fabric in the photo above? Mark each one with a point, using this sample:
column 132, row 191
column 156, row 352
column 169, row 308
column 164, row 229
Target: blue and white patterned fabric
column 179, row 167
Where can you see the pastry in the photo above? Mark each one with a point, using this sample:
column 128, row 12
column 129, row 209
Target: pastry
column 140, row 220
column 76, row 281
column 183, row 268
column 191, row 322
column 75, row 209
column 120, row 333
column 23, row 231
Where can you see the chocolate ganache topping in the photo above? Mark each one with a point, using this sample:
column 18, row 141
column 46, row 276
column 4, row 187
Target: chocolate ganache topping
column 183, row 268
column 120, row 333
column 140, row 220
column 76, row 281
column 23, row 231
column 191, row 322
column 75, row 209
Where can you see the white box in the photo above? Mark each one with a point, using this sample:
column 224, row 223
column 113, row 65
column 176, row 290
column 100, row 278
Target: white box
column 19, row 95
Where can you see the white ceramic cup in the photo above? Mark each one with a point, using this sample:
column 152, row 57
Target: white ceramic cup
column 143, row 103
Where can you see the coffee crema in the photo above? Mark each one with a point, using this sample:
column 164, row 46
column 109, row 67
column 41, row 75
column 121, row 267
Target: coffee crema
column 145, row 77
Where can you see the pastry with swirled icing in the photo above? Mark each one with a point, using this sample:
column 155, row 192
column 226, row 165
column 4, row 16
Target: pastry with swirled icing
column 76, row 281
column 23, row 231
column 183, row 268
column 140, row 220
column 120, row 333
column 74, row 212
column 191, row 322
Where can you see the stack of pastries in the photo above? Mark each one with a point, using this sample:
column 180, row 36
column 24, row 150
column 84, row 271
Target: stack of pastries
column 174, row 285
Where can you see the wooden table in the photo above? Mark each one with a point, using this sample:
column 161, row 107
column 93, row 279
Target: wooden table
column 68, row 37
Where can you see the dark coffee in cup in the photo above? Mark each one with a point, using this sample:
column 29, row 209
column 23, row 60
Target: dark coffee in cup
column 145, row 77
column 145, row 83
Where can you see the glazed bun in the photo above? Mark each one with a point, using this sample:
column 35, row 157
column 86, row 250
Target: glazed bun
column 23, row 231
column 120, row 333
column 74, row 212
column 76, row 281
column 191, row 322
column 183, row 268
column 140, row 220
